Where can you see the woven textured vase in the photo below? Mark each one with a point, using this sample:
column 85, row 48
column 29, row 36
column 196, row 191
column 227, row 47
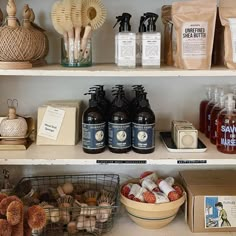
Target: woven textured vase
column 17, row 44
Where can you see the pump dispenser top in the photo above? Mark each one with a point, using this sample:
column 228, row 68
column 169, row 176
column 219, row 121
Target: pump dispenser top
column 124, row 21
column 93, row 100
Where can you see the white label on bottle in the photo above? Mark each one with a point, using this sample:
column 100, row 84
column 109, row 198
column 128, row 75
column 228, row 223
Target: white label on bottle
column 232, row 24
column 161, row 197
column 194, row 39
column 134, row 189
column 148, row 184
column 151, row 45
column 165, row 187
column 51, row 123
column 126, row 46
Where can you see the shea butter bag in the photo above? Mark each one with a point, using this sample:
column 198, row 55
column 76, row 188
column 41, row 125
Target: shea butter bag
column 228, row 20
column 194, row 23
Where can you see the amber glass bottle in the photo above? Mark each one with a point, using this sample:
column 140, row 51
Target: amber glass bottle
column 209, row 107
column 143, row 127
column 119, row 125
column 93, row 128
column 202, row 110
column 214, row 114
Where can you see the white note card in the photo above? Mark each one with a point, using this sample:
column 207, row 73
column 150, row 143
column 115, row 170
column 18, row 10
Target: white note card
column 51, row 123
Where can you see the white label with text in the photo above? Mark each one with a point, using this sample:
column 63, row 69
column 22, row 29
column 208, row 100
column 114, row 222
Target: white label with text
column 51, row 123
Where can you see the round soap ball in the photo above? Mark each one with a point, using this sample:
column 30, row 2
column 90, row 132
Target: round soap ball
column 13, row 128
column 68, row 188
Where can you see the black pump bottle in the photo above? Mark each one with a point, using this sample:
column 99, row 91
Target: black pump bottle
column 143, row 127
column 119, row 126
column 93, row 127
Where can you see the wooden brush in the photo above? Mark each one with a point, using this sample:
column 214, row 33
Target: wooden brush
column 76, row 8
column 87, row 35
column 57, row 23
column 68, row 27
column 93, row 13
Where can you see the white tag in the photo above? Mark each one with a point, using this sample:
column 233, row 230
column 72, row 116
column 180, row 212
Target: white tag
column 152, row 177
column 134, row 189
column 161, row 198
column 165, row 187
column 232, row 24
column 139, row 194
column 194, row 39
column 51, row 123
column 148, row 184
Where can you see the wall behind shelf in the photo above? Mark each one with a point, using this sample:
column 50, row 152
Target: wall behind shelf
column 125, row 171
column 102, row 38
column 170, row 98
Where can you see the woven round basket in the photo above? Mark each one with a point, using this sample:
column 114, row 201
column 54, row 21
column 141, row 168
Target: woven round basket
column 17, row 44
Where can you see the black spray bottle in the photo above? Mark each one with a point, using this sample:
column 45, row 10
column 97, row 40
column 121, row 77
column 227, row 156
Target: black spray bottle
column 119, row 125
column 93, row 127
column 125, row 43
column 143, row 127
column 151, row 43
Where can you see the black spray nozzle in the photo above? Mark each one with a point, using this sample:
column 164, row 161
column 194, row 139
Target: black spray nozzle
column 142, row 27
column 152, row 19
column 93, row 95
column 124, row 21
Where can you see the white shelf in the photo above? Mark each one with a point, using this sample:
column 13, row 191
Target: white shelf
column 111, row 70
column 124, row 226
column 74, row 155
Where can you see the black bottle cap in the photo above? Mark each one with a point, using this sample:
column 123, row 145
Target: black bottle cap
column 142, row 27
column 124, row 21
column 93, row 102
column 151, row 18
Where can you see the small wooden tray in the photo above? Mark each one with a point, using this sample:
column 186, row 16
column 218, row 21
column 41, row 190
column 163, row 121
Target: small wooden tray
column 12, row 147
column 15, row 65
column 171, row 147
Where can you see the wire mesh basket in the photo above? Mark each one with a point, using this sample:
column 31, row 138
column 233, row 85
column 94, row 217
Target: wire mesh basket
column 74, row 204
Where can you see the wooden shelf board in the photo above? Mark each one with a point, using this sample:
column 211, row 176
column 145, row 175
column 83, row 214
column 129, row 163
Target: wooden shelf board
column 124, row 226
column 74, row 155
column 111, row 70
